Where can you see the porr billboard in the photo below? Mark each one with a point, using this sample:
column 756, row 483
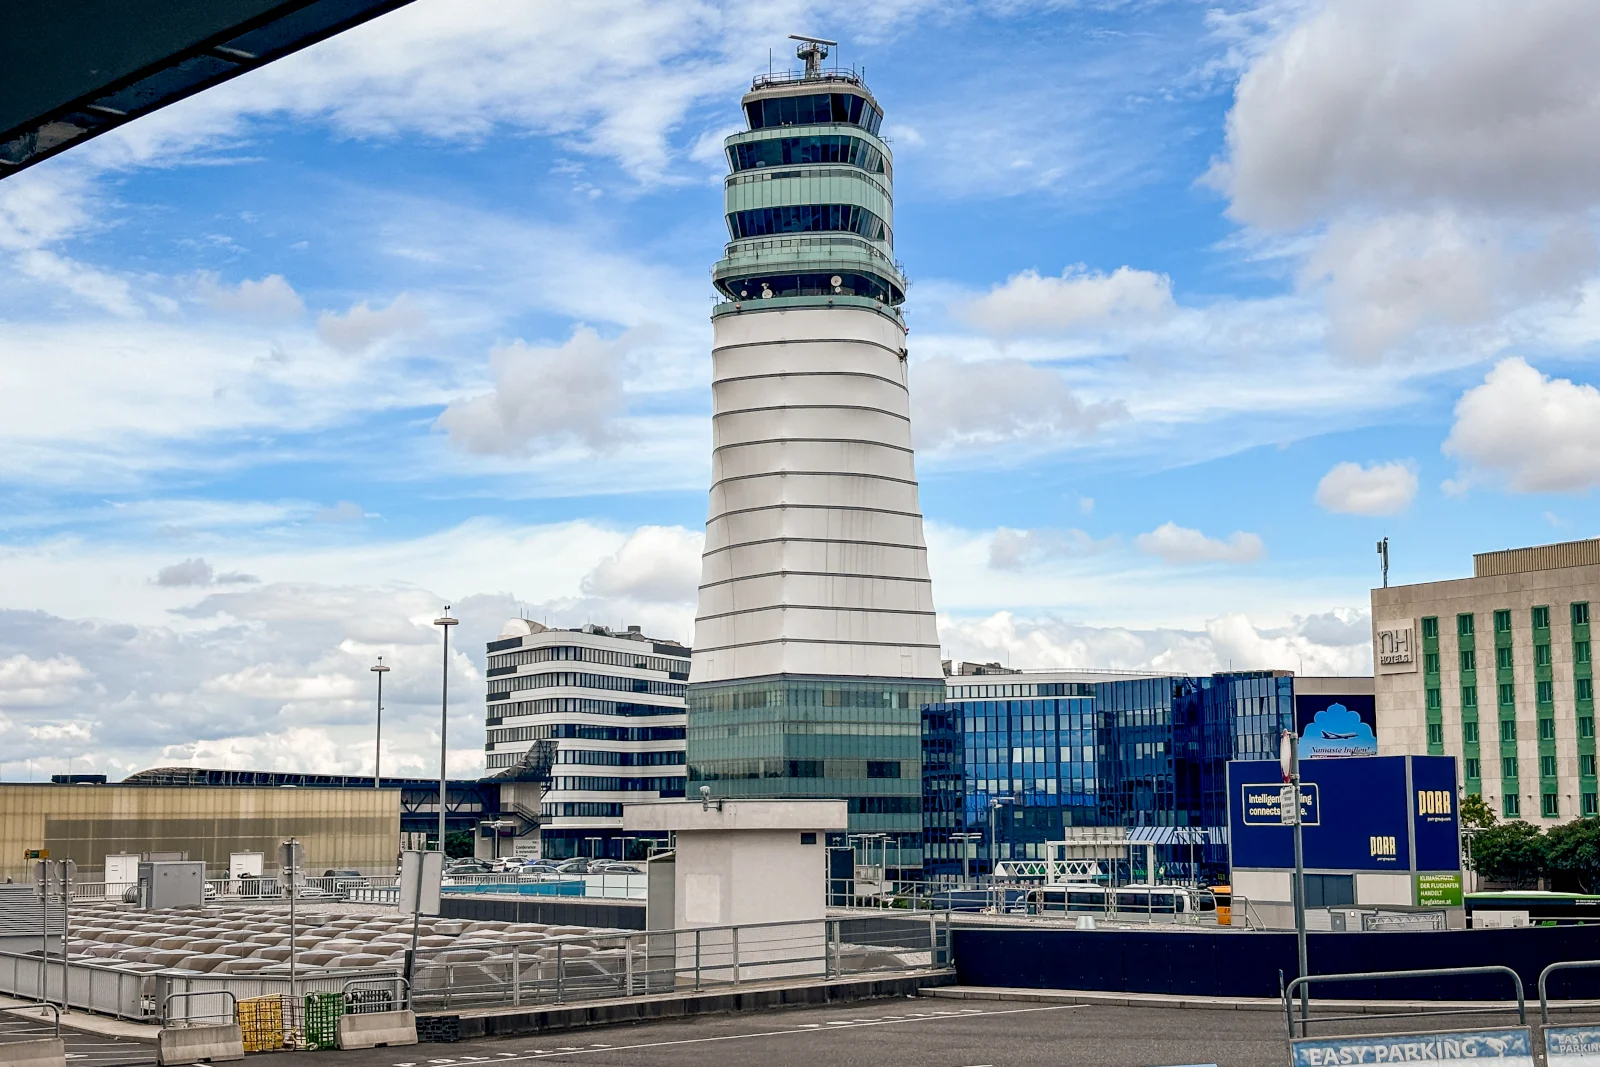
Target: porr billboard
column 1373, row 813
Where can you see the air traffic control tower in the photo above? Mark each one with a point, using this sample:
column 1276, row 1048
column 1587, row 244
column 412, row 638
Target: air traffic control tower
column 815, row 642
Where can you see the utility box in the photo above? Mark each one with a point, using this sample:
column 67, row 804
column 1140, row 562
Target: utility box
column 172, row 884
column 745, row 862
column 122, row 871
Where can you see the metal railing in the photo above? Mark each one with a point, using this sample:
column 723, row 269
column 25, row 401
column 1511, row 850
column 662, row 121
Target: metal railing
column 139, row 993
column 637, row 963
column 266, row 888
column 1011, row 899
column 1544, row 978
column 1303, row 985
column 602, row 885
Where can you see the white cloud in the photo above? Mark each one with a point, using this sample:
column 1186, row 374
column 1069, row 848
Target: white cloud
column 1180, row 545
column 197, row 572
column 271, row 299
column 105, row 291
column 1337, row 643
column 1400, row 105
column 1376, row 489
column 658, row 564
column 1539, row 434
column 343, row 511
column 1015, row 550
column 363, row 326
column 1385, row 279
column 1028, row 303
column 46, row 682
column 542, row 394
column 1440, row 170
column 998, row 400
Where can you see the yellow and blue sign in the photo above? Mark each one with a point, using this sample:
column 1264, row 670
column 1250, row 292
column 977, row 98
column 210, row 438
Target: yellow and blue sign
column 1364, row 813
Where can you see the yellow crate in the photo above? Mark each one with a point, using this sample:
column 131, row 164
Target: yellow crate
column 261, row 1023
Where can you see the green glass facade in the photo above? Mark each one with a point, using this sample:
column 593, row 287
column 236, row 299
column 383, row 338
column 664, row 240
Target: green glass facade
column 859, row 739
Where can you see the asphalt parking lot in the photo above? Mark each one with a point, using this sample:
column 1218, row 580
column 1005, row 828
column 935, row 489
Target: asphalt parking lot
column 90, row 1050
column 920, row 1032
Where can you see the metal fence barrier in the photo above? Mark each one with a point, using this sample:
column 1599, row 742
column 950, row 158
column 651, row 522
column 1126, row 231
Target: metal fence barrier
column 638, row 963
column 1544, row 978
column 231, row 1015
column 1303, row 985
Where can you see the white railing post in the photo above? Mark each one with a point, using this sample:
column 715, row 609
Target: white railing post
column 735, row 955
column 697, row 961
column 516, row 973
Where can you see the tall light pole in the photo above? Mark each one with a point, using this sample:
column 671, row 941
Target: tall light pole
column 1289, row 803
column 966, row 837
column 377, row 742
column 446, row 622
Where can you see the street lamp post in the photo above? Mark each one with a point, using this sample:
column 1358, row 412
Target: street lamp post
column 1289, row 760
column 444, row 621
column 994, row 841
column 377, row 742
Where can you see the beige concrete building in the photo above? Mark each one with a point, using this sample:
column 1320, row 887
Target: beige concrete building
column 1497, row 671
column 345, row 828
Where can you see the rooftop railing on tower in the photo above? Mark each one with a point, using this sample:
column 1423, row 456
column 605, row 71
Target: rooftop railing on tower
column 789, row 77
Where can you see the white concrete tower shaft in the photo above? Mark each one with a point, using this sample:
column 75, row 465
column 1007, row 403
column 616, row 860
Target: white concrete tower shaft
column 815, row 562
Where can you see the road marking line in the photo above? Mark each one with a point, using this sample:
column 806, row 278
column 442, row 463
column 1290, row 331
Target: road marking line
column 567, row 1051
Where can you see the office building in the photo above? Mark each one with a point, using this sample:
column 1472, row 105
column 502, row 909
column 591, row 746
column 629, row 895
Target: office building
column 1034, row 758
column 1497, row 670
column 815, row 638
column 598, row 717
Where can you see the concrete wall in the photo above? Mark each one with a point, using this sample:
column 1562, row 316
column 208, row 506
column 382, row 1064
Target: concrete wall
column 815, row 561
column 730, row 877
column 356, row 828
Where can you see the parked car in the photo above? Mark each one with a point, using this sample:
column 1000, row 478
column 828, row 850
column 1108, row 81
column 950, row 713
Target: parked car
column 346, row 877
column 614, row 868
column 467, row 869
column 575, row 866
column 537, row 869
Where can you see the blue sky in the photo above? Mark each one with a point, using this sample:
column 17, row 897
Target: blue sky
column 1205, row 299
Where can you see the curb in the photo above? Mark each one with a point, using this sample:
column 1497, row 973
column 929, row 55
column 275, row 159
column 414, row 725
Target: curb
column 1157, row 1000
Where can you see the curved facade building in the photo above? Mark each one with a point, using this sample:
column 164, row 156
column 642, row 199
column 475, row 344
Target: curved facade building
column 815, row 640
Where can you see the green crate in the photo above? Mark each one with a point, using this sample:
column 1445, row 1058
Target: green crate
column 322, row 1019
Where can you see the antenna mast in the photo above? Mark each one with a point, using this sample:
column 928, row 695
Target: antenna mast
column 1383, row 558
column 813, row 50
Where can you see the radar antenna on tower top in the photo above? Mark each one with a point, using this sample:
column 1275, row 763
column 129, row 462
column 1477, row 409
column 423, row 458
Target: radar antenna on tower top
column 813, row 50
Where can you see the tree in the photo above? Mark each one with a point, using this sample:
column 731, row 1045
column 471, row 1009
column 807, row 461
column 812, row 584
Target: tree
column 458, row 844
column 1573, row 851
column 1513, row 852
column 1475, row 813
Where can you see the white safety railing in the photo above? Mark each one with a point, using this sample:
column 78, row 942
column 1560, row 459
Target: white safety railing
column 504, row 972
column 136, row 992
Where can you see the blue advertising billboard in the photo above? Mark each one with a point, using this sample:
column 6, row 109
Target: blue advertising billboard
column 1359, row 814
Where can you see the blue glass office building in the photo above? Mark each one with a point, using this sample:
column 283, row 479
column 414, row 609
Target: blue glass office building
column 1148, row 753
